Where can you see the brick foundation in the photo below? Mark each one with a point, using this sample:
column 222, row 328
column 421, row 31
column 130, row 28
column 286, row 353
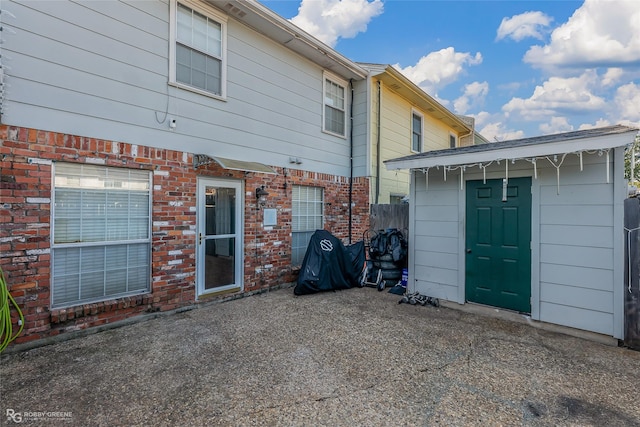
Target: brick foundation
column 26, row 159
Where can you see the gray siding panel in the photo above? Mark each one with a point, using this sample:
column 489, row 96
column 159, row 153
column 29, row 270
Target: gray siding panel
column 360, row 129
column 436, row 230
column 578, row 256
column 440, row 260
column 576, row 246
column 575, row 317
column 588, row 299
column 575, row 235
column 448, row 245
column 100, row 69
column 594, row 215
column 576, row 195
column 585, row 277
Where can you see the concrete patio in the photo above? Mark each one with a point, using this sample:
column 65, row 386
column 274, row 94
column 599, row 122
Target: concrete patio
column 349, row 358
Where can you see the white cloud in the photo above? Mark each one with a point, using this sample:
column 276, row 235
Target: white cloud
column 482, row 118
column 510, row 87
column 558, row 94
column 555, row 125
column 599, row 33
column 627, row 101
column 496, row 131
column 612, row 76
column 528, row 24
column 598, row 124
column 474, row 95
column 438, row 69
column 330, row 20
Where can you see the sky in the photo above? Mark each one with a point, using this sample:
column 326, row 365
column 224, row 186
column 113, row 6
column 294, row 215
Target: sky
column 520, row 68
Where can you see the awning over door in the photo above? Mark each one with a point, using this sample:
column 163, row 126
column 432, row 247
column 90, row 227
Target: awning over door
column 240, row 165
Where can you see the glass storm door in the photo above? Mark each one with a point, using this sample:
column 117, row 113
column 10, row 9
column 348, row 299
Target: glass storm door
column 219, row 238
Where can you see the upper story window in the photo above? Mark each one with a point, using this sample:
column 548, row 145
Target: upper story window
column 416, row 132
column 453, row 140
column 198, row 49
column 334, row 106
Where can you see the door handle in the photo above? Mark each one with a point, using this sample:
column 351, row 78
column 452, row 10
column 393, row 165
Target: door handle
column 468, row 251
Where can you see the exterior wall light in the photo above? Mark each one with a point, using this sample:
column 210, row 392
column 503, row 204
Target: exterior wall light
column 261, row 195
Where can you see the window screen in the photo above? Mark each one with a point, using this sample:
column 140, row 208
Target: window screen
column 334, row 108
column 307, row 217
column 416, row 133
column 198, row 50
column 101, row 233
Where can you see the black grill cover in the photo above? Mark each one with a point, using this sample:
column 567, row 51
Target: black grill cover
column 329, row 265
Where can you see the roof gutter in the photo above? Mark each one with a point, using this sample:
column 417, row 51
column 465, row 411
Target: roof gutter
column 299, row 34
column 416, row 89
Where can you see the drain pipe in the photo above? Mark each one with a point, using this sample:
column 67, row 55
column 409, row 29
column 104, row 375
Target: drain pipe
column 378, row 144
column 350, row 161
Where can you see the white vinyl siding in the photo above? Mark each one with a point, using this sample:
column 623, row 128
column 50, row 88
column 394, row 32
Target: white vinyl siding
column 199, row 56
column 334, row 107
column 75, row 70
column 101, row 233
column 416, row 132
column 307, row 217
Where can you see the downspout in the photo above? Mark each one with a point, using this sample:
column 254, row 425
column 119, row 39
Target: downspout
column 378, row 145
column 350, row 160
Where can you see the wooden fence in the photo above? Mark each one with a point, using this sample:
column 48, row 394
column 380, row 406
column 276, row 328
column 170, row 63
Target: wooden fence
column 632, row 272
column 389, row 216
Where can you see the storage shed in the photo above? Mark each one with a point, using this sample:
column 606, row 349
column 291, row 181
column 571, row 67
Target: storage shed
column 531, row 225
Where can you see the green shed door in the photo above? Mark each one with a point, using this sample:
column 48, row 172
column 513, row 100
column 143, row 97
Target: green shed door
column 498, row 243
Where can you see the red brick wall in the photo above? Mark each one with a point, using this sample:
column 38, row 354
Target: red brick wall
column 26, row 157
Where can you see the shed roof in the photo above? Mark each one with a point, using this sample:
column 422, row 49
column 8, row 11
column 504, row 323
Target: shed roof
column 603, row 138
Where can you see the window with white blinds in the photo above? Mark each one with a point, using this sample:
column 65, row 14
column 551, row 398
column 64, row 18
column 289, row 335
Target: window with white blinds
column 307, row 217
column 101, row 233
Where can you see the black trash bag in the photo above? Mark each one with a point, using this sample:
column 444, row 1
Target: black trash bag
column 329, row 265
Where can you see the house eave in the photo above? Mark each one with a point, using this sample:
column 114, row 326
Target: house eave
column 400, row 84
column 275, row 27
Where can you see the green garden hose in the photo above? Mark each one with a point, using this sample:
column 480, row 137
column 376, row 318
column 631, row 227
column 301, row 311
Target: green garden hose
column 6, row 327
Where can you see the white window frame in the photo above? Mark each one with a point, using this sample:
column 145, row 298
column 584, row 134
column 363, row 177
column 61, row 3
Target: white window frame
column 213, row 15
column 295, row 214
column 97, row 244
column 455, row 139
column 421, row 143
column 344, row 84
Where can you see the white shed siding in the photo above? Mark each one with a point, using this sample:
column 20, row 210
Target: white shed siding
column 576, row 246
column 435, row 239
column 574, row 255
column 100, row 69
